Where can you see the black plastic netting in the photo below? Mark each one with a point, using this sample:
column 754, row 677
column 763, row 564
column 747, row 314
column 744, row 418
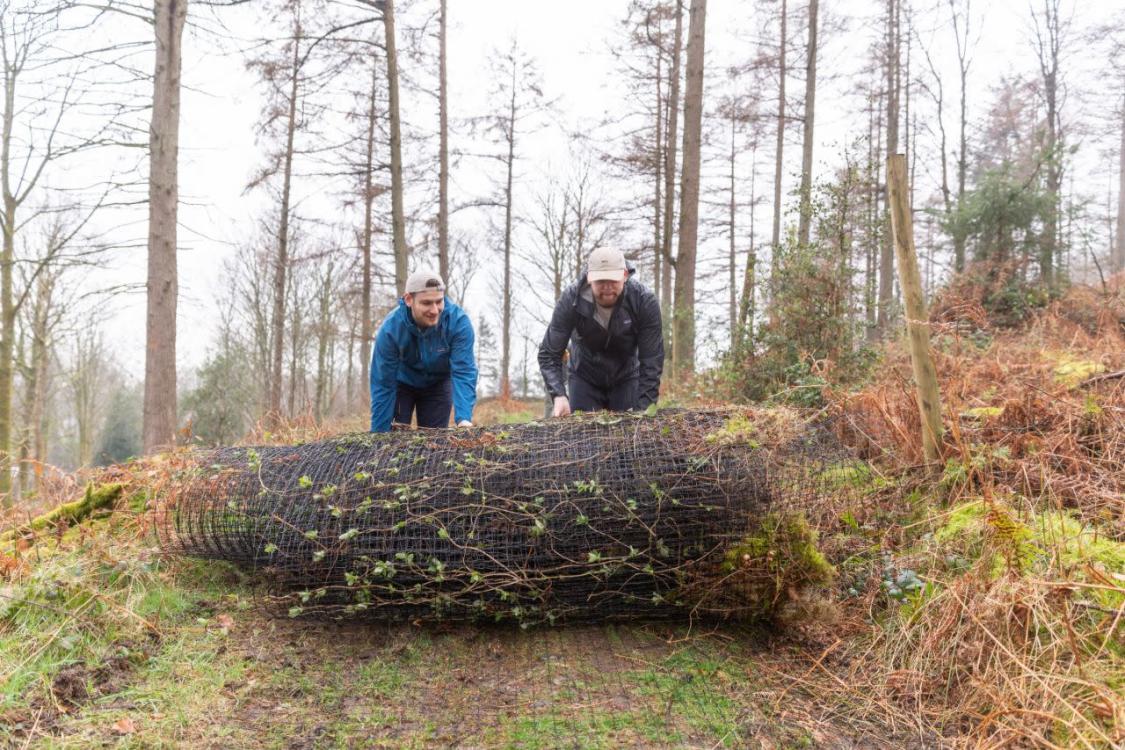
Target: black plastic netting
column 607, row 516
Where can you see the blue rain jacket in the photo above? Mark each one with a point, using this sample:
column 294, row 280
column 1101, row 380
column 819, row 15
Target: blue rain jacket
column 405, row 353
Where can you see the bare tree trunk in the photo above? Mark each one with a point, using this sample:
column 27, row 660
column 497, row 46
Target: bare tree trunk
column 398, row 221
column 84, row 382
column 963, row 140
column 1048, row 46
column 35, row 383
column 367, row 325
column 281, row 270
column 810, row 112
column 658, row 177
column 7, row 304
column 443, row 170
column 39, row 430
column 163, row 198
column 746, row 304
column 778, row 168
column 684, row 317
column 1118, row 264
column 323, row 346
column 732, row 261
column 874, row 146
column 925, row 376
column 298, row 331
column 506, row 323
column 887, row 254
column 672, row 105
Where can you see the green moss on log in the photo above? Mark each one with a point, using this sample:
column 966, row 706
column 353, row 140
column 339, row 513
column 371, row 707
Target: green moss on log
column 765, row 570
column 93, row 499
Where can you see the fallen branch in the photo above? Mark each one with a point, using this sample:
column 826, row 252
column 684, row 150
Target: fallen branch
column 70, row 513
column 1103, row 377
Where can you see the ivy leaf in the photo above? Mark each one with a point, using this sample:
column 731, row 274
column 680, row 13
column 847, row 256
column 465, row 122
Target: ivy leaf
column 270, row 548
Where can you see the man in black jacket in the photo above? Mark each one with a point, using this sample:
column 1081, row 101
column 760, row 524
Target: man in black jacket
column 612, row 324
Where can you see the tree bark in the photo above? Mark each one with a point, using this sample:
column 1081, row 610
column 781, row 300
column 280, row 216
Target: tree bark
column 684, row 316
column 281, row 269
column 1118, row 264
column 925, row 375
column 732, row 261
column 163, row 198
column 963, row 62
column 778, row 165
column 7, row 304
column 658, row 177
column 367, row 325
column 398, row 220
column 673, row 108
column 1049, row 40
column 810, row 115
column 887, row 254
column 746, row 304
column 443, row 169
column 506, row 323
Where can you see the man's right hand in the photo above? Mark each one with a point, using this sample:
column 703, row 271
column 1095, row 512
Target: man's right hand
column 562, row 407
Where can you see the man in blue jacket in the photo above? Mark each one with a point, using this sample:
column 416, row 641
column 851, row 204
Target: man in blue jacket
column 423, row 360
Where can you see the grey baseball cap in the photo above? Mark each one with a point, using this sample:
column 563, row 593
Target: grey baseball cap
column 423, row 280
column 605, row 264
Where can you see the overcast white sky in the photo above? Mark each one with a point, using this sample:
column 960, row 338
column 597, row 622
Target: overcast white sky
column 571, row 41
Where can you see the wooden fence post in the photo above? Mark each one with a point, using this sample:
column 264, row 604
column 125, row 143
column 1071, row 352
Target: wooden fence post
column 925, row 376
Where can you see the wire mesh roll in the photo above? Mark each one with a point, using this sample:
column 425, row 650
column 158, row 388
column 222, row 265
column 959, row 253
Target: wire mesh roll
column 611, row 516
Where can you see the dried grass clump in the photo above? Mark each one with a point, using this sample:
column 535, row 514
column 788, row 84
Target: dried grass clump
column 1040, row 411
column 1022, row 647
column 1016, row 638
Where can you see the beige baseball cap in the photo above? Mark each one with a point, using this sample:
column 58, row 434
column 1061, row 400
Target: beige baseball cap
column 605, row 264
column 423, row 280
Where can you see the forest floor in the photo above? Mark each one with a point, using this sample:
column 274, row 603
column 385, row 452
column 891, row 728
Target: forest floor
column 215, row 671
column 1014, row 634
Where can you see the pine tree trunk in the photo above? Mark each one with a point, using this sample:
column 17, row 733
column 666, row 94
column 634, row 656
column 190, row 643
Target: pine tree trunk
column 672, row 105
column 281, row 270
column 658, row 177
column 367, row 325
column 443, row 169
column 398, row 220
column 887, row 254
column 684, row 317
column 732, row 261
column 778, row 164
column 963, row 139
column 1118, row 264
column 41, row 363
column 810, row 113
column 163, row 190
column 7, row 304
column 506, row 332
column 746, row 304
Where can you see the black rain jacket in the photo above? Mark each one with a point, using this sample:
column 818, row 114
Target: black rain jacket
column 632, row 346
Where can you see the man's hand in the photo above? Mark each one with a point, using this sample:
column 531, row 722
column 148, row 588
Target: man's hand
column 464, row 423
column 562, row 407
